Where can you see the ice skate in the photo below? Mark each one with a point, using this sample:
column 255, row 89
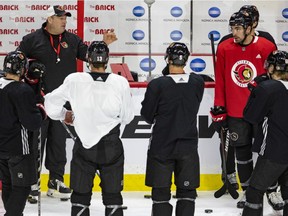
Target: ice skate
column 58, row 189
column 275, row 200
column 242, row 201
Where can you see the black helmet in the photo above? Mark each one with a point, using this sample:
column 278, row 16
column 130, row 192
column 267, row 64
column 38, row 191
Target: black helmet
column 279, row 59
column 36, row 69
column 15, row 63
column 98, row 53
column 178, row 53
column 241, row 18
column 232, row 19
column 252, row 10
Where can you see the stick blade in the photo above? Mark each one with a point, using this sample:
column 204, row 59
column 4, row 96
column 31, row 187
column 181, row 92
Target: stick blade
column 232, row 191
column 219, row 193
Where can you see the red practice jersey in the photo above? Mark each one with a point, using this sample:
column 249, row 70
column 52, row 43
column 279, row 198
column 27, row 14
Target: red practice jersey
column 236, row 66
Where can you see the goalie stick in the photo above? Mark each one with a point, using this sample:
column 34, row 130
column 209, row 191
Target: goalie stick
column 74, row 139
column 227, row 185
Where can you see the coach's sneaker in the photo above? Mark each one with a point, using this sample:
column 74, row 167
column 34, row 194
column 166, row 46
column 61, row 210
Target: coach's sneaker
column 242, row 201
column 275, row 200
column 233, row 180
column 57, row 188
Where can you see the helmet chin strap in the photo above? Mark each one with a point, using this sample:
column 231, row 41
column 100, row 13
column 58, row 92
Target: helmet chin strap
column 246, row 35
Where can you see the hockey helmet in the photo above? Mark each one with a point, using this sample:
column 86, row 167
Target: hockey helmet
column 252, row 10
column 98, row 53
column 178, row 53
column 279, row 59
column 241, row 18
column 36, row 69
column 15, row 62
column 232, row 19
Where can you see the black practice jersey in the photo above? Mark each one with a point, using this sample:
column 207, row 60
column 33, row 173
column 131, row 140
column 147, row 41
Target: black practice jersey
column 18, row 114
column 268, row 103
column 171, row 103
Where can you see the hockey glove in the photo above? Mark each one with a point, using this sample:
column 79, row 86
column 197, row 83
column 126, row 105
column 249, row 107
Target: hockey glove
column 219, row 114
column 36, row 70
column 257, row 80
column 42, row 110
column 69, row 117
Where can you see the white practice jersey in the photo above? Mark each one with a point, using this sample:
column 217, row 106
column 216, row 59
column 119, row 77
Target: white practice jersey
column 100, row 101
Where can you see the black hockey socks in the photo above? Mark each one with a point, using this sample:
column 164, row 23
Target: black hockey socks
column 113, row 203
column 161, row 205
column 80, row 204
column 185, row 207
column 79, row 210
column 254, row 202
column 114, row 210
column 161, row 208
column 244, row 164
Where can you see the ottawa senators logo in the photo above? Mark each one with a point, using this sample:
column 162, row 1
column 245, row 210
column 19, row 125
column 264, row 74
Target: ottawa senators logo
column 243, row 72
column 64, row 45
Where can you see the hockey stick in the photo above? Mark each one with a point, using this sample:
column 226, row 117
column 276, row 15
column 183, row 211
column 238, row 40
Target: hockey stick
column 68, row 131
column 227, row 185
column 213, row 50
column 74, row 139
column 39, row 172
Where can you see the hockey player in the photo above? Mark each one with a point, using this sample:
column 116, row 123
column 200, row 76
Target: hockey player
column 273, row 197
column 239, row 60
column 19, row 116
column 171, row 103
column 100, row 102
column 268, row 103
column 34, row 77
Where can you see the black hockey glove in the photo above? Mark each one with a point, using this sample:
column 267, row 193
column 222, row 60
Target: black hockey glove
column 219, row 114
column 36, row 70
column 257, row 80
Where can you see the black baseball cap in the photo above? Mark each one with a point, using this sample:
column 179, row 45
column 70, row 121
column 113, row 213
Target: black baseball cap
column 57, row 10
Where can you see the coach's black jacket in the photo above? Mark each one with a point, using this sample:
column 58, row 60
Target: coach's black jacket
column 37, row 45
